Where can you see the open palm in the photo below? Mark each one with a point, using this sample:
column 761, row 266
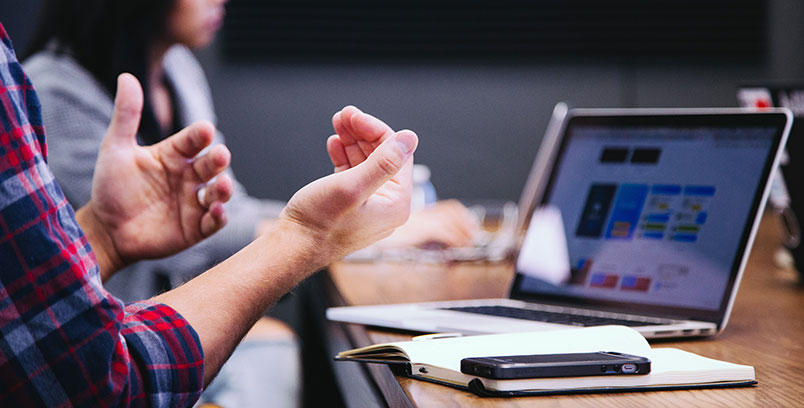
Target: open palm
column 146, row 198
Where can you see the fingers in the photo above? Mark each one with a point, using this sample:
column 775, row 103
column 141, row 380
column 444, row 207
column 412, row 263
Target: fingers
column 212, row 163
column 127, row 111
column 185, row 145
column 220, row 190
column 451, row 238
column 464, row 222
column 369, row 129
column 369, row 132
column 213, row 220
column 179, row 153
column 215, row 194
column 188, row 142
column 386, row 161
column 342, row 123
column 337, row 153
column 456, row 234
column 451, row 234
column 447, row 222
column 360, row 133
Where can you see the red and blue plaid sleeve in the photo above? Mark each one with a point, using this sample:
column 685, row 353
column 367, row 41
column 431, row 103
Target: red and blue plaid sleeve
column 64, row 341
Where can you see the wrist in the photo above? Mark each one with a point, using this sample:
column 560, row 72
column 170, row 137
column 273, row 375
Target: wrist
column 311, row 247
column 103, row 246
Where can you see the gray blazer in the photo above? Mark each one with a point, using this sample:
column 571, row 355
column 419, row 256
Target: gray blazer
column 76, row 111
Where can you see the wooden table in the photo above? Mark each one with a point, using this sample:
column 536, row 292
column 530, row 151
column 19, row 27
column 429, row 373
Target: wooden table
column 766, row 331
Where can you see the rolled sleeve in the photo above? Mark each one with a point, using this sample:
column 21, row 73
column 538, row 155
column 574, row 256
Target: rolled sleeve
column 167, row 354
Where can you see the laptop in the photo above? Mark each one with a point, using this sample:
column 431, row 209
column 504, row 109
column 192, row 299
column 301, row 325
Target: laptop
column 659, row 209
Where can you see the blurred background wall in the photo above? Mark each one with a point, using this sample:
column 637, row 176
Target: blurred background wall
column 476, row 80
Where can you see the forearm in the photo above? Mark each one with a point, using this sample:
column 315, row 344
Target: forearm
column 224, row 302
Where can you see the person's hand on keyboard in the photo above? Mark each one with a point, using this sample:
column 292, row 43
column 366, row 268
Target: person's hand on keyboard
column 445, row 224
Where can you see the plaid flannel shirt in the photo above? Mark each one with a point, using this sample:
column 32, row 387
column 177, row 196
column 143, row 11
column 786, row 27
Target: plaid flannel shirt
column 64, row 341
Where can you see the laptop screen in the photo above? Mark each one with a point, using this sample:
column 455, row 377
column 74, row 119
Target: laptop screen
column 656, row 210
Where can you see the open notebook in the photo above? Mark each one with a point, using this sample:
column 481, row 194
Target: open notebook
column 438, row 360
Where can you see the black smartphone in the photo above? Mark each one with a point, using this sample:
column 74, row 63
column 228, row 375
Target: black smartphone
column 555, row 365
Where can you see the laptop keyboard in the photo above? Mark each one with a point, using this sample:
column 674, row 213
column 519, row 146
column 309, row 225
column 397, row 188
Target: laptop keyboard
column 551, row 317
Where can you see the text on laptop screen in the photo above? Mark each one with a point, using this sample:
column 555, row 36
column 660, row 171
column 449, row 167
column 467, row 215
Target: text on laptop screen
column 653, row 215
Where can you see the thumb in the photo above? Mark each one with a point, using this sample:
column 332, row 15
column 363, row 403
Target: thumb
column 127, row 111
column 386, row 161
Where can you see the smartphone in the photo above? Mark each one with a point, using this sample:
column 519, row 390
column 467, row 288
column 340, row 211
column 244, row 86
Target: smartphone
column 555, row 365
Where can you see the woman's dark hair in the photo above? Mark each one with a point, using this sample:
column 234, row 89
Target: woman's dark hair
column 107, row 37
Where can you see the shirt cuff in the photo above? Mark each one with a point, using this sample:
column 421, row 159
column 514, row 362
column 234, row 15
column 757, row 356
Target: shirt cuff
column 169, row 354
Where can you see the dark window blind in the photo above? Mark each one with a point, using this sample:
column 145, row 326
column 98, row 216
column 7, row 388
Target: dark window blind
column 265, row 29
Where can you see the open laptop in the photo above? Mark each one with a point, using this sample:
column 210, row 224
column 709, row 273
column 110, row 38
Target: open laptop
column 659, row 208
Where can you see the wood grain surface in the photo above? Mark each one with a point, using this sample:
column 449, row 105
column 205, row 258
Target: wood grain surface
column 766, row 330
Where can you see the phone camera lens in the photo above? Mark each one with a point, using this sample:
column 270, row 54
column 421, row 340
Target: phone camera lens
column 617, row 368
column 603, row 369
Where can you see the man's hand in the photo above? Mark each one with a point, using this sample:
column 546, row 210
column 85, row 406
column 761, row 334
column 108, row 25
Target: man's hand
column 369, row 194
column 145, row 201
